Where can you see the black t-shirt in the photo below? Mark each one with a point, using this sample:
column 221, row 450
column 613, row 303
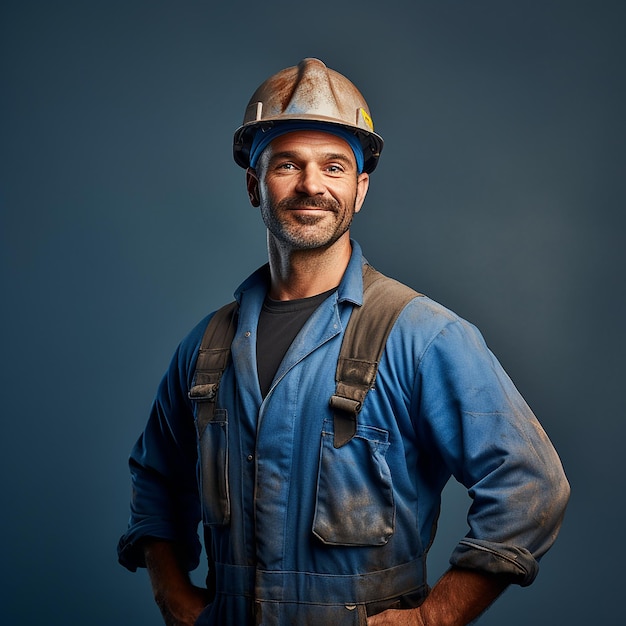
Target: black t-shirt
column 279, row 323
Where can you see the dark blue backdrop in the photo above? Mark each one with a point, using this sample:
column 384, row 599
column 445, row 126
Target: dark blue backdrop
column 124, row 220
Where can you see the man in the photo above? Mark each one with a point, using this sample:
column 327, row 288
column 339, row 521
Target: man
column 300, row 529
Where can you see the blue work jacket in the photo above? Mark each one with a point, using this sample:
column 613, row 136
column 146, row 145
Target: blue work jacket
column 301, row 532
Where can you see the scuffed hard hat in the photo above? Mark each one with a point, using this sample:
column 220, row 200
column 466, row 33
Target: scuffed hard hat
column 309, row 92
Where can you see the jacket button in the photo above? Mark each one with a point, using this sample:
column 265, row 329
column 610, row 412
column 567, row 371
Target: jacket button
column 249, row 457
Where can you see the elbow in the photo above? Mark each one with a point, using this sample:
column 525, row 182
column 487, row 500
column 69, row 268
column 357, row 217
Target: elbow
column 559, row 497
column 555, row 502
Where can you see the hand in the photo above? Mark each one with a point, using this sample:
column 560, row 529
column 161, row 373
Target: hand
column 459, row 597
column 180, row 601
column 184, row 607
column 393, row 617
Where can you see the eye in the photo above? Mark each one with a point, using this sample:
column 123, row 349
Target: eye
column 286, row 166
column 335, row 168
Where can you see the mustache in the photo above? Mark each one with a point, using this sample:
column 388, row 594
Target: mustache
column 327, row 204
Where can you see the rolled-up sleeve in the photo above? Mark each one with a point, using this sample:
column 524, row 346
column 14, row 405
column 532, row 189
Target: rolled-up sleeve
column 164, row 498
column 493, row 444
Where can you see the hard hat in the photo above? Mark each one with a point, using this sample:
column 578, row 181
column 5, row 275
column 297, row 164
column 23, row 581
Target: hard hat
column 308, row 92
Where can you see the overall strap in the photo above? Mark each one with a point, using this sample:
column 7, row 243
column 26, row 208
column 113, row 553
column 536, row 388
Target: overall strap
column 362, row 347
column 361, row 350
column 212, row 361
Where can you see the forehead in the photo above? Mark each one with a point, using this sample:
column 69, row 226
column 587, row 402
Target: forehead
column 310, row 142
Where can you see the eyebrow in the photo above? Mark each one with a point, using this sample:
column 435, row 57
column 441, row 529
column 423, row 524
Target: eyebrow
column 329, row 156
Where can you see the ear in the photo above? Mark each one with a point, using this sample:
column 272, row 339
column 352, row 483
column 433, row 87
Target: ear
column 252, row 184
column 362, row 185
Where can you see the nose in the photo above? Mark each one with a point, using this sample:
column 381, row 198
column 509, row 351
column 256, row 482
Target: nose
column 310, row 181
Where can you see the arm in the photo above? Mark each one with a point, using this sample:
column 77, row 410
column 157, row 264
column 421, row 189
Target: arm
column 472, row 421
column 165, row 502
column 459, row 597
column 488, row 437
column 178, row 599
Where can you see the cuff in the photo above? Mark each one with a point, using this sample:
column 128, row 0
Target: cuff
column 130, row 554
column 130, row 549
column 516, row 564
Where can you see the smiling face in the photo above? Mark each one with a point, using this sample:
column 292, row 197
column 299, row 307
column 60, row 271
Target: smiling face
column 308, row 189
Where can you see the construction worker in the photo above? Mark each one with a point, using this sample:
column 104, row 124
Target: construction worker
column 319, row 493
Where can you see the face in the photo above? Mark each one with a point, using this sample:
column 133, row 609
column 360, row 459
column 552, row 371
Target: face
column 308, row 189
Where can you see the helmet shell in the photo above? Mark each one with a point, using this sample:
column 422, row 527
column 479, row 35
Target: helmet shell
column 309, row 92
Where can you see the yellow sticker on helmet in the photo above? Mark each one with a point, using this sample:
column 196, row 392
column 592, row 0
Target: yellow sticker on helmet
column 367, row 119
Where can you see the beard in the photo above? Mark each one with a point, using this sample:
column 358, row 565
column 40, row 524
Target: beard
column 306, row 231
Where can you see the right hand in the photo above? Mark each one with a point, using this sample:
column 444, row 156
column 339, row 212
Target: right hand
column 183, row 607
column 180, row 601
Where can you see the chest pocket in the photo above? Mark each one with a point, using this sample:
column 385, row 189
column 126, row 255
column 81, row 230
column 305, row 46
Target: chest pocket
column 354, row 500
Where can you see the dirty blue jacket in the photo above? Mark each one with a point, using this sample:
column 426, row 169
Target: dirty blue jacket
column 300, row 532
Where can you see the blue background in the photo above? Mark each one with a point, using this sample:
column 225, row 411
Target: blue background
column 124, row 220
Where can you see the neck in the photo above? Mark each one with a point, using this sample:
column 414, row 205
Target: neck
column 305, row 273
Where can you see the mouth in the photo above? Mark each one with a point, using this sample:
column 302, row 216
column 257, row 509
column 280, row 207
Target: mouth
column 308, row 209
